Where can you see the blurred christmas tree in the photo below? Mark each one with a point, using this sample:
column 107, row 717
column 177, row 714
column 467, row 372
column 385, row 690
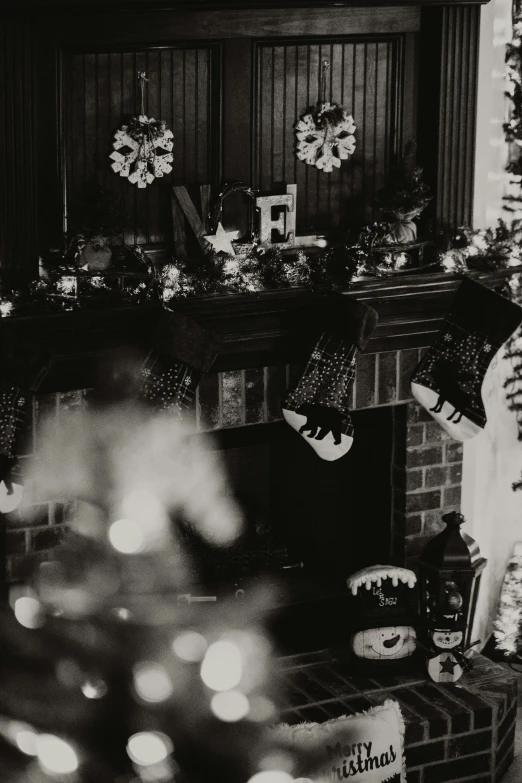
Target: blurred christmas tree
column 112, row 672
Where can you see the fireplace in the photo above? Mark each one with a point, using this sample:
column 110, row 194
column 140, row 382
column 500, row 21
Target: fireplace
column 309, row 523
column 378, row 502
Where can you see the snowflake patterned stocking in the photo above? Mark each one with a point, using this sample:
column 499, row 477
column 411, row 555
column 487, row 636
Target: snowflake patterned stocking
column 448, row 380
column 182, row 352
column 23, row 365
column 318, row 408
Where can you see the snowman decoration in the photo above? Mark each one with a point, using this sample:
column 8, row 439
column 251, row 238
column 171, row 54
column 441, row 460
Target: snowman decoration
column 384, row 615
column 448, row 662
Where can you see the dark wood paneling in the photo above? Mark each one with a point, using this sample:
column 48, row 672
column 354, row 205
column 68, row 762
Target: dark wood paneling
column 142, row 27
column 367, row 78
column 18, row 203
column 100, row 92
column 237, row 128
column 449, row 71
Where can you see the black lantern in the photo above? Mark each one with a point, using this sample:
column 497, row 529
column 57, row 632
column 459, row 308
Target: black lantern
column 450, row 568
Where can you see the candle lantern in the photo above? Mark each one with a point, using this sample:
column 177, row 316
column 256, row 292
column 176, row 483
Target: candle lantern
column 450, row 569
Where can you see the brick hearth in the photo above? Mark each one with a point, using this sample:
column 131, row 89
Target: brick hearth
column 462, row 732
column 427, row 469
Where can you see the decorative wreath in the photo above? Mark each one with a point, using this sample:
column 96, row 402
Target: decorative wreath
column 325, row 137
column 325, row 134
column 143, row 148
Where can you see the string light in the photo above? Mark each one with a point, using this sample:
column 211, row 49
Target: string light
column 271, row 776
column 222, row 666
column 152, row 683
column 262, row 709
column 190, row 646
column 126, row 536
column 9, row 501
column 95, row 688
column 55, row 755
column 28, row 612
column 147, row 748
column 230, row 706
column 122, row 613
column 23, row 736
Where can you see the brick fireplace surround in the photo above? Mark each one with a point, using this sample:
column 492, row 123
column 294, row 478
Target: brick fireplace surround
column 426, row 479
column 463, row 732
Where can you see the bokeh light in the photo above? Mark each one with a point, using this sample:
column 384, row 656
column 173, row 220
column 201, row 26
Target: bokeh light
column 28, row 612
column 145, row 508
column 271, row 776
column 10, row 501
column 149, row 747
column 230, row 706
column 222, row 667
column 281, row 761
column 94, row 688
column 126, row 536
column 190, row 646
column 261, row 709
column 122, row 613
column 152, row 683
column 23, row 736
column 55, row 755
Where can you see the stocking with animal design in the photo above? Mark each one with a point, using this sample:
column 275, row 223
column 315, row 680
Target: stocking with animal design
column 448, row 380
column 318, row 407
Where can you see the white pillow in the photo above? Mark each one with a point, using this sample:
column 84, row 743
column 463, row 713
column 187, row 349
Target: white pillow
column 363, row 748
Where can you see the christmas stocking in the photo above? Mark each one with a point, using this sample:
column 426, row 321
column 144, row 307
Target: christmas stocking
column 448, row 380
column 318, row 406
column 182, row 352
column 23, row 365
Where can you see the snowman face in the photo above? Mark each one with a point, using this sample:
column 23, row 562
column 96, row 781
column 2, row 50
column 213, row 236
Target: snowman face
column 446, row 640
column 397, row 641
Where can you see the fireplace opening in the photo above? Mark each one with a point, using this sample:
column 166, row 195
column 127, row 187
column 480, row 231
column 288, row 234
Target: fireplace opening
column 308, row 523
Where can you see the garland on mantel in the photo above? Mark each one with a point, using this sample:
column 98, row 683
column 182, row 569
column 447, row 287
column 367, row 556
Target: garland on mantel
column 134, row 279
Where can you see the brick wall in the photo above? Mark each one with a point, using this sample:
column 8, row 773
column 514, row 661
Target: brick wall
column 458, row 733
column 427, row 465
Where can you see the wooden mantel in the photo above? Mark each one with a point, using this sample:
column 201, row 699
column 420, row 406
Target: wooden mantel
column 178, row 5
column 259, row 329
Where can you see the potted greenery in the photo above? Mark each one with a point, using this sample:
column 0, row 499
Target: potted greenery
column 404, row 197
column 94, row 224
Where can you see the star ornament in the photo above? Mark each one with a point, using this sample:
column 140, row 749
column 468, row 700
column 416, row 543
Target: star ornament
column 447, row 666
column 222, row 240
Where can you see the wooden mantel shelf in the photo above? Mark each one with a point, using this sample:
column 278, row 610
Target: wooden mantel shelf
column 179, row 5
column 258, row 329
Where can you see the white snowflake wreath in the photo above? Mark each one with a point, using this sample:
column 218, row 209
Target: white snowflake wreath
column 325, row 137
column 142, row 150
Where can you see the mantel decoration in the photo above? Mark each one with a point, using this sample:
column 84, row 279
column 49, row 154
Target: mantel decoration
column 367, row 747
column 450, row 569
column 220, row 239
column 143, row 148
column 325, row 133
column 384, row 603
column 404, row 197
column 258, row 264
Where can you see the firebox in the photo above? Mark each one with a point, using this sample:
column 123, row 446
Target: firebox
column 308, row 523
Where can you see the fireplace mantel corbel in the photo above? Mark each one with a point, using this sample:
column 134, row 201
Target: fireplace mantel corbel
column 261, row 329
